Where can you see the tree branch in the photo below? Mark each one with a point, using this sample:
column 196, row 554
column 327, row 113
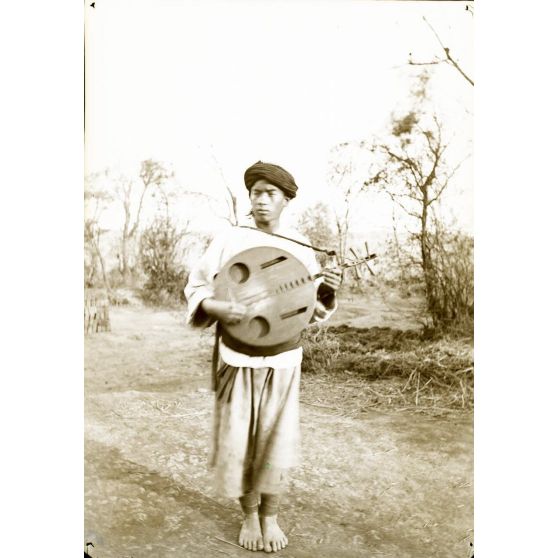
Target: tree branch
column 447, row 179
column 138, row 212
column 433, row 63
column 447, row 52
column 415, row 169
column 405, row 209
column 407, row 161
column 457, row 67
column 231, row 199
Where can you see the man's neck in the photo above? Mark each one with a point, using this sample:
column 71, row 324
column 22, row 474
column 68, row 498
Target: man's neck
column 270, row 227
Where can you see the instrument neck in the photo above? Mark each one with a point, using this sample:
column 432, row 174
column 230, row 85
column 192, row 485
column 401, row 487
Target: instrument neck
column 347, row 265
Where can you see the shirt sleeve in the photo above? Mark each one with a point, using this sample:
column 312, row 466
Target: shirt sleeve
column 200, row 284
column 329, row 312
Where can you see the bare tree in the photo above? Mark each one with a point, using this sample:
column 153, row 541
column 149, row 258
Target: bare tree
column 152, row 175
column 96, row 202
column 411, row 167
column 92, row 236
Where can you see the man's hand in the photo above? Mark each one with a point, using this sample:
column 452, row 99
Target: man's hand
column 228, row 313
column 332, row 278
column 326, row 292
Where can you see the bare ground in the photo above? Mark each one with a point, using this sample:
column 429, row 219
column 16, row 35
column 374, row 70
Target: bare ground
column 381, row 484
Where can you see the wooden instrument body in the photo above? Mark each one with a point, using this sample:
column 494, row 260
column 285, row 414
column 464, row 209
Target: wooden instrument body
column 277, row 290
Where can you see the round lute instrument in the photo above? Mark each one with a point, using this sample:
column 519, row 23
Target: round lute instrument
column 277, row 289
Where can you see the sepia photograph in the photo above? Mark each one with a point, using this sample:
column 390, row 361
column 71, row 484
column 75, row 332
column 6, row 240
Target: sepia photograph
column 278, row 278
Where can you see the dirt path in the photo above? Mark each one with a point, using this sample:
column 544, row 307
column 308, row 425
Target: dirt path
column 389, row 485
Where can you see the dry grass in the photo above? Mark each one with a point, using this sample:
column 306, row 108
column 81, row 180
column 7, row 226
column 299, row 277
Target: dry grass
column 354, row 370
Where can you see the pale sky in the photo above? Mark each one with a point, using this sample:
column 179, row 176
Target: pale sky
column 284, row 82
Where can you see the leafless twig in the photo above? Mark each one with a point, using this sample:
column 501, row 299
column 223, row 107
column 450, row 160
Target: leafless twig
column 449, row 59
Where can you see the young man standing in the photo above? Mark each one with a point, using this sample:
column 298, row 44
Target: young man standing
column 256, row 424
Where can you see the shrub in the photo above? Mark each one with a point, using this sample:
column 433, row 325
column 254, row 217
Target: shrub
column 159, row 257
column 451, row 282
column 445, row 278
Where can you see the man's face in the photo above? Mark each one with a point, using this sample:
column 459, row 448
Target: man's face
column 267, row 201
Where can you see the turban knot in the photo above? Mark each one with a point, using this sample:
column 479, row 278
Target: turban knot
column 274, row 174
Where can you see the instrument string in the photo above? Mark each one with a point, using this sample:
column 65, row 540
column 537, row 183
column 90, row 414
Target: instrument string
column 315, row 248
column 284, row 287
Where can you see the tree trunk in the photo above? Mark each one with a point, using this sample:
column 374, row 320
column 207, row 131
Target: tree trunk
column 125, row 270
column 103, row 268
column 426, row 258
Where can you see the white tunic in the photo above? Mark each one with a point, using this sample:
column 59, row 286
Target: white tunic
column 256, row 430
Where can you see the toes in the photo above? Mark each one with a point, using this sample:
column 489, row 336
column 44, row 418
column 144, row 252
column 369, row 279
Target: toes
column 274, row 546
column 267, row 547
column 260, row 545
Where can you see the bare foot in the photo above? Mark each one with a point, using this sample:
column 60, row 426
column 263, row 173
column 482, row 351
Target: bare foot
column 250, row 536
column 273, row 537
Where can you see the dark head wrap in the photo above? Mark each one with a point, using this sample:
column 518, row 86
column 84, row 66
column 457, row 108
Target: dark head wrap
column 274, row 174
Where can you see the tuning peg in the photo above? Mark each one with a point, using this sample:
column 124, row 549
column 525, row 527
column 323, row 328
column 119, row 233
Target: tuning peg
column 357, row 272
column 365, row 262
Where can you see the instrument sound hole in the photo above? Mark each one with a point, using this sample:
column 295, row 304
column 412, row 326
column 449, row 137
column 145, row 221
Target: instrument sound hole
column 239, row 273
column 259, row 327
column 273, row 262
column 294, row 313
